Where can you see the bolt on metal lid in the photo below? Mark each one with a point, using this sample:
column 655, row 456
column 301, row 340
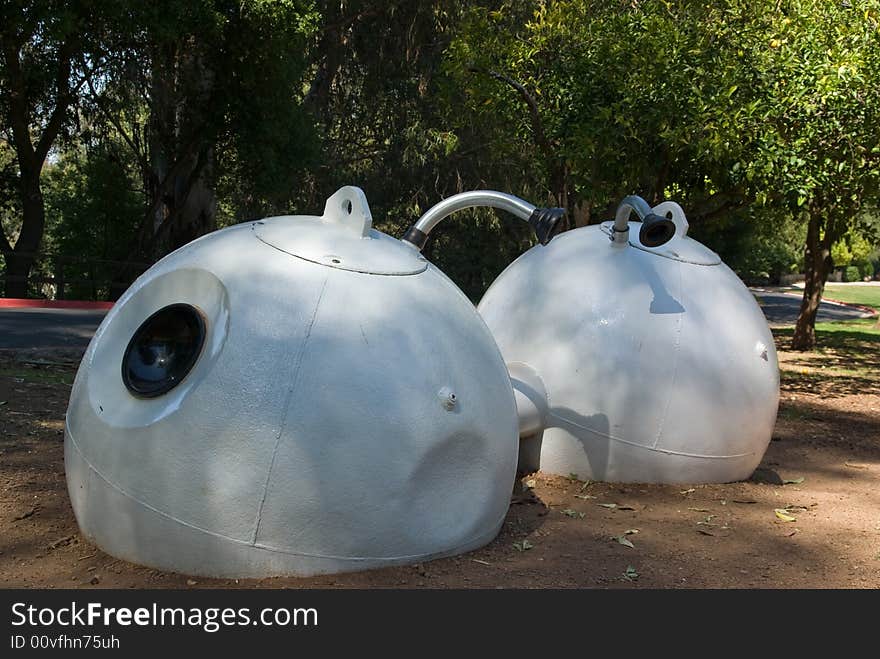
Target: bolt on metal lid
column 341, row 238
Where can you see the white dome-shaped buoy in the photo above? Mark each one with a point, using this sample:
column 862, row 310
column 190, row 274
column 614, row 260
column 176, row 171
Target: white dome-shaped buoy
column 645, row 358
column 296, row 395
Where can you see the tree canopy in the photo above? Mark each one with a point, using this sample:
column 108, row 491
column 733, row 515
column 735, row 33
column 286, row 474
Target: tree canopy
column 129, row 128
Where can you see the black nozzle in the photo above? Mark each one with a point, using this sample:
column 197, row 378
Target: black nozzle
column 415, row 237
column 546, row 223
column 656, row 230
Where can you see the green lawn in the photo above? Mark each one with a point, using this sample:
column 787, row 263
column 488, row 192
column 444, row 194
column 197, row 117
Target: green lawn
column 859, row 335
column 867, row 295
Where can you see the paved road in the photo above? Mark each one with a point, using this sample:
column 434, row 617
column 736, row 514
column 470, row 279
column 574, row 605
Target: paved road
column 73, row 328
column 48, row 328
column 782, row 309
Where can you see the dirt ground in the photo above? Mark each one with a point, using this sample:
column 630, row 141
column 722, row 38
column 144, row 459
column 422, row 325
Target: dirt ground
column 559, row 532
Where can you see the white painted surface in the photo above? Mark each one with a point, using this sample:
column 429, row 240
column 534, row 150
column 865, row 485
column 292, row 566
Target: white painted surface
column 656, row 369
column 311, row 436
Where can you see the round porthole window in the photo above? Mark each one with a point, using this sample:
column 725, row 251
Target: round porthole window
column 163, row 350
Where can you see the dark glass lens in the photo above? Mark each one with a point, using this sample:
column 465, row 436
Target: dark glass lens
column 163, row 350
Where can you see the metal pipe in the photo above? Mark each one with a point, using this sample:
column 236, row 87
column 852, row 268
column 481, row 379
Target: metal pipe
column 476, row 198
column 530, row 394
column 620, row 230
column 545, row 221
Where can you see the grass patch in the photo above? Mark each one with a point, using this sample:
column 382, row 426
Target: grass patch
column 856, row 336
column 38, row 375
column 866, row 295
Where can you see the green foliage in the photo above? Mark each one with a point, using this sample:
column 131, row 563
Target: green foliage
column 737, row 108
column 94, row 208
column 10, row 199
column 267, row 141
column 759, row 244
column 755, row 115
column 851, row 273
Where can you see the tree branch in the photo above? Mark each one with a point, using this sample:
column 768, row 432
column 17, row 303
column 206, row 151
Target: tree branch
column 534, row 112
column 18, row 113
column 63, row 96
column 715, row 205
column 141, row 158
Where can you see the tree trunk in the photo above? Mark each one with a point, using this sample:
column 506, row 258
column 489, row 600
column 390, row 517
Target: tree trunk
column 817, row 266
column 20, row 259
column 180, row 203
column 18, row 270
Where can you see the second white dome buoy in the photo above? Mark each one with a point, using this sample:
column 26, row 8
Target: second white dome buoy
column 647, row 359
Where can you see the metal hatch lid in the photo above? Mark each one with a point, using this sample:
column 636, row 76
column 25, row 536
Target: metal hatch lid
column 680, row 247
column 341, row 238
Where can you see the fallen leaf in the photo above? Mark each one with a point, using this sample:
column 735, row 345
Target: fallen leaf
column 525, row 545
column 707, row 521
column 630, row 532
column 784, row 516
column 793, row 481
column 584, row 496
column 477, row 560
column 855, row 466
column 623, row 540
column 705, row 532
column 607, row 505
column 699, row 510
column 586, row 485
column 530, row 483
column 191, row 582
column 687, row 491
column 568, row 512
column 630, row 574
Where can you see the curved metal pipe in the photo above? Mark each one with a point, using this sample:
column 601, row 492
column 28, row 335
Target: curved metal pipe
column 545, row 221
column 476, row 198
column 620, row 230
column 655, row 230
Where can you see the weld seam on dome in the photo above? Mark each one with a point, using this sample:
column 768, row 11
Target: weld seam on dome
column 642, row 446
column 675, row 355
column 277, row 550
column 294, row 383
column 342, row 267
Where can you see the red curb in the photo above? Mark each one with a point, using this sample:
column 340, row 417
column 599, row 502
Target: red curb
column 852, row 305
column 861, row 307
column 20, row 303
